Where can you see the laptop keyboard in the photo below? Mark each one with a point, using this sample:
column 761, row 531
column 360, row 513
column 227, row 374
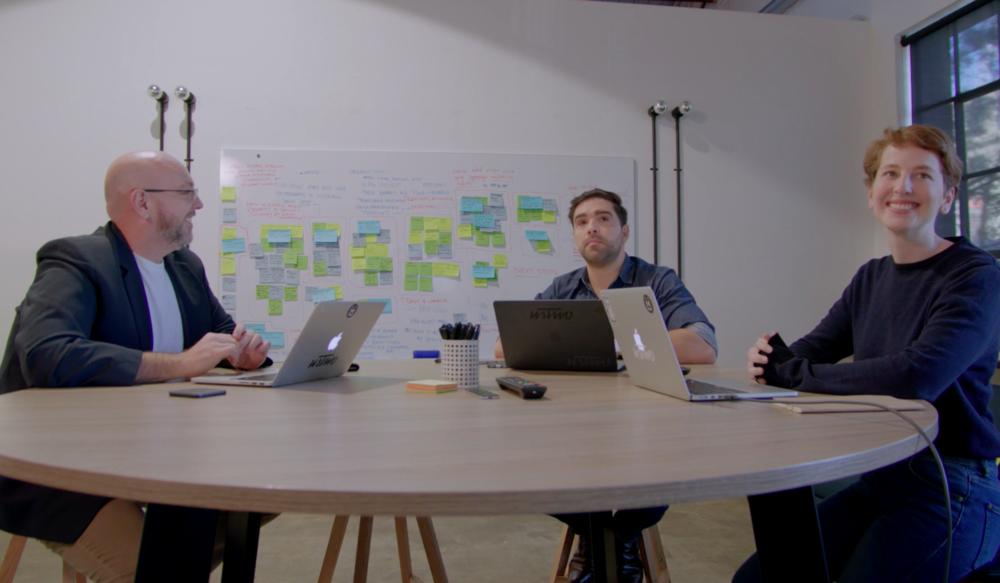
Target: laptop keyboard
column 261, row 377
column 700, row 388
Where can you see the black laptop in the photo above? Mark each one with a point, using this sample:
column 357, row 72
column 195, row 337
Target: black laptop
column 570, row 335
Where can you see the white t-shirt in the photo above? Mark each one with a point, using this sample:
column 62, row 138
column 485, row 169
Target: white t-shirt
column 164, row 313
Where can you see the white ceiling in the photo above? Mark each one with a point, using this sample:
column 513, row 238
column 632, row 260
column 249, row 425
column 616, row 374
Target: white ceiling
column 836, row 9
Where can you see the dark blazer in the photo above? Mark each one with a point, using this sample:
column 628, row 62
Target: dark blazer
column 85, row 322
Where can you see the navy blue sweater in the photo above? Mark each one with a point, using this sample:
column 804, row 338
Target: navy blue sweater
column 926, row 330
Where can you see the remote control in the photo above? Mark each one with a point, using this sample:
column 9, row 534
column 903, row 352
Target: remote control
column 483, row 393
column 523, row 387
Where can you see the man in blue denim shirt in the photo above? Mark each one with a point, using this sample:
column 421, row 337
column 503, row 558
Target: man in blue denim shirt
column 600, row 231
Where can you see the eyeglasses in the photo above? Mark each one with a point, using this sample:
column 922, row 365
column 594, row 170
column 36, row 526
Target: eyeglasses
column 189, row 193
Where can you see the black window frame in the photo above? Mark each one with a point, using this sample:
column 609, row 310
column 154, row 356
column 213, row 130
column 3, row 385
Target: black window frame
column 957, row 101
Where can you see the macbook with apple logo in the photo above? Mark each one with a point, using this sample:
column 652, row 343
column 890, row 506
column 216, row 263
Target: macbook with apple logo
column 652, row 362
column 330, row 340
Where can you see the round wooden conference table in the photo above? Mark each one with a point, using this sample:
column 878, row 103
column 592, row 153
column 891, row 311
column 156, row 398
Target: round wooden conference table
column 361, row 444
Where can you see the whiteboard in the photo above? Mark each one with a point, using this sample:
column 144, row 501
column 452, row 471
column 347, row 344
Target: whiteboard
column 436, row 237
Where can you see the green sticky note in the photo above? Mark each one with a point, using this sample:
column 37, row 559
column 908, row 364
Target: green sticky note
column 431, row 223
column 266, row 246
column 373, row 264
column 535, row 214
column 415, row 238
column 411, row 268
column 499, row 260
column 425, row 269
column 465, row 231
column 302, row 263
column 228, row 194
column 427, row 283
column 298, row 231
column 385, row 264
column 228, row 265
column 319, row 267
column 444, row 238
column 275, row 308
column 358, row 264
column 263, row 291
column 291, row 293
column 431, row 248
column 298, row 245
column 444, row 224
column 522, row 216
column 432, row 236
column 291, row 258
column 371, row 278
column 543, row 246
column 479, row 282
column 411, row 282
column 416, row 224
column 357, row 252
column 549, row 216
column 482, row 239
column 499, row 240
column 438, row 269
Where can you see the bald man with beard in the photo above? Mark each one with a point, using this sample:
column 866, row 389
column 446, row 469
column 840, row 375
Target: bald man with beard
column 125, row 305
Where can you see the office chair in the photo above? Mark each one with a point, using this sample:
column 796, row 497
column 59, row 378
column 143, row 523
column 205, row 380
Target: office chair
column 654, row 561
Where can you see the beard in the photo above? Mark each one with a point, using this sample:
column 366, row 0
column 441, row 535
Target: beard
column 175, row 232
column 602, row 255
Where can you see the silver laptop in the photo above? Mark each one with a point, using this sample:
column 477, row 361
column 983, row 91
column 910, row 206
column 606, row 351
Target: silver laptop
column 329, row 342
column 650, row 357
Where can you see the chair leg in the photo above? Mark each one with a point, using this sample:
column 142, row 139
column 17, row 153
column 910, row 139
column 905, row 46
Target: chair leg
column 434, row 558
column 403, row 547
column 15, row 548
column 563, row 553
column 332, row 549
column 655, row 560
column 364, row 549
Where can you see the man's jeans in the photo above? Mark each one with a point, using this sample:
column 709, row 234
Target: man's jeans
column 891, row 524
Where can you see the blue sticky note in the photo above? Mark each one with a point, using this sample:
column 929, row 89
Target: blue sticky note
column 279, row 236
column 484, row 272
column 256, row 328
column 369, row 227
column 471, row 205
column 325, row 236
column 536, row 235
column 323, row 294
column 277, row 339
column 485, row 222
column 531, row 203
column 234, row 245
column 385, row 302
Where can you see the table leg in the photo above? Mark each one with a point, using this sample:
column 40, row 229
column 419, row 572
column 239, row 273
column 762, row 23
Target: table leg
column 789, row 541
column 602, row 548
column 176, row 545
column 242, row 535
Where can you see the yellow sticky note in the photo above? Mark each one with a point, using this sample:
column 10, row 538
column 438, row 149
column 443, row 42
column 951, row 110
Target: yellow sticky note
column 297, row 231
column 548, row 216
column 228, row 194
column 291, row 259
column 275, row 308
column 479, row 282
column 446, row 269
column 371, row 238
column 228, row 233
column 357, row 252
column 432, row 236
column 465, row 231
column 415, row 238
column 444, row 224
column 358, row 264
column 228, row 265
column 499, row 260
column 377, row 250
column 431, row 223
column 338, row 292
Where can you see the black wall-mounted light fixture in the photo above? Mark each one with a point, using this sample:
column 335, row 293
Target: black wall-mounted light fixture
column 187, row 126
column 655, row 111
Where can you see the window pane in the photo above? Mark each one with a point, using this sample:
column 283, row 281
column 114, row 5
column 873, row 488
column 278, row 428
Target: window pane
column 984, row 211
column 941, row 117
column 979, row 59
column 931, row 69
column 982, row 132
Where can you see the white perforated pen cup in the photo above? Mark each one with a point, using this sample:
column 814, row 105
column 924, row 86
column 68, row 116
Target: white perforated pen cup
column 460, row 362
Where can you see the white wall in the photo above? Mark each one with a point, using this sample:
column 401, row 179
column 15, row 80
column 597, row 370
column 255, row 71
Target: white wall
column 775, row 218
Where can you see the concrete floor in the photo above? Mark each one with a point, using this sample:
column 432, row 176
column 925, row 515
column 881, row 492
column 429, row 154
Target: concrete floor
column 704, row 542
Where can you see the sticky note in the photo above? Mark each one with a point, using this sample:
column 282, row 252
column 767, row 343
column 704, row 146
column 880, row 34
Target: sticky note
column 262, row 291
column 297, row 231
column 275, row 308
column 548, row 216
column 543, row 246
column 326, row 236
column 416, row 224
column 415, row 238
column 446, row 269
column 298, row 245
column 358, row 264
column 323, row 294
column 444, row 251
column 471, row 205
column 425, row 269
column 278, row 236
column 369, row 227
column 549, row 204
column 529, row 202
column 275, row 292
column 302, row 263
column 499, row 239
column 522, row 216
column 465, row 231
column 411, row 268
column 485, row 222
column 228, row 194
column 228, row 265
column 432, row 223
column 500, row 260
column 373, row 263
column 234, row 245
column 415, row 252
column 370, row 239
column 290, row 258
column 319, row 268
column 482, row 239
column 371, row 278
column 496, row 200
column 291, row 293
column 444, row 224
column 411, row 282
column 385, row 264
column 536, row 235
column 377, row 250
column 385, row 278
column 484, row 272
column 277, row 339
column 357, row 252
column 229, row 233
column 431, row 248
column 426, row 284
column 479, row 283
